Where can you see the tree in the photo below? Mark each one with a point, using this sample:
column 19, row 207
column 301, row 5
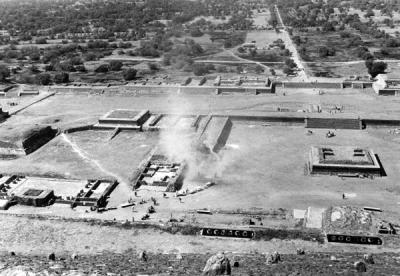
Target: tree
column 43, row 79
column 287, row 70
column 61, row 77
column 290, row 63
column 130, row 74
column 376, row 68
column 296, row 40
column 4, row 72
column 115, row 65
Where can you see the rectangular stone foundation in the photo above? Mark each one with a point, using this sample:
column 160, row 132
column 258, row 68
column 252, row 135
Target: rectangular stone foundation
column 343, row 160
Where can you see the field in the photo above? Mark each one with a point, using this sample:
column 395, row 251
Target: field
column 261, row 19
column 337, row 70
column 263, row 38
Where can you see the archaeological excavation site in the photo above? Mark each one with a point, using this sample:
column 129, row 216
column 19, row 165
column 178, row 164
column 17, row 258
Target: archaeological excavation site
column 199, row 137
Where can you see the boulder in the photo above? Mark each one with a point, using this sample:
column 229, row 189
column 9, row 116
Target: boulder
column 273, row 258
column 368, row 258
column 300, row 251
column 52, row 257
column 74, row 256
column 143, row 256
column 235, row 261
column 217, row 264
column 360, row 266
column 333, row 259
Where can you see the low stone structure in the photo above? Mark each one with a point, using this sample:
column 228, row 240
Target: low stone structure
column 161, row 172
column 213, row 132
column 244, row 85
column 39, row 191
column 35, row 197
column 123, row 119
column 384, row 86
column 343, row 160
column 333, row 123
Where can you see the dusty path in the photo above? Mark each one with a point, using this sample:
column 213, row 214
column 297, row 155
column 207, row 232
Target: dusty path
column 85, row 156
column 292, row 48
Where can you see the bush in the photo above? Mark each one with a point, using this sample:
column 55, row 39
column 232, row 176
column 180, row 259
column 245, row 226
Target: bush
column 115, row 65
column 153, row 66
column 41, row 40
column 4, row 72
column 103, row 68
column 259, row 69
column 130, row 74
column 49, row 67
column 27, row 78
column 80, row 68
column 66, row 66
column 221, row 69
column 196, row 32
column 200, row 69
column 61, row 77
column 90, row 56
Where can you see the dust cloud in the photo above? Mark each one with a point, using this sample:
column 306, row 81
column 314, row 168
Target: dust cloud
column 180, row 143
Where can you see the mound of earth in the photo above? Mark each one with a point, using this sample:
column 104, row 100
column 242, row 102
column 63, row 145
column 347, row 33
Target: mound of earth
column 15, row 142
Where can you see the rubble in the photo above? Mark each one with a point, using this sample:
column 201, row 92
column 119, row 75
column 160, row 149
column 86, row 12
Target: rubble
column 273, row 258
column 360, row 266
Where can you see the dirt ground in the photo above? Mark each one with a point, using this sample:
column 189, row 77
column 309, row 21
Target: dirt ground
column 81, row 107
column 261, row 166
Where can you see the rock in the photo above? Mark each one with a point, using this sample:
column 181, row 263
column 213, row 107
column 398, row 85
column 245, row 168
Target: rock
column 143, row 256
column 300, row 251
column 235, row 261
column 368, row 258
column 273, row 258
column 52, row 257
column 360, row 266
column 179, row 256
column 12, row 253
column 217, row 264
column 74, row 256
column 333, row 258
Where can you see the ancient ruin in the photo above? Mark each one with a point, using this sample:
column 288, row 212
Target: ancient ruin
column 343, row 160
column 40, row 191
column 16, row 142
